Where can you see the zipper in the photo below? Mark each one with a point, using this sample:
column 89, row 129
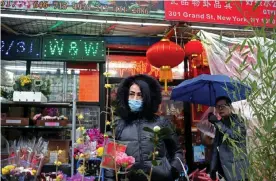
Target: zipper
column 139, row 142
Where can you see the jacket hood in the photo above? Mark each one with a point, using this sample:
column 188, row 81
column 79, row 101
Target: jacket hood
column 150, row 105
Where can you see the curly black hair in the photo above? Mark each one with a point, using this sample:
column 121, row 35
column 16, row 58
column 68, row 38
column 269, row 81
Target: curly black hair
column 151, row 94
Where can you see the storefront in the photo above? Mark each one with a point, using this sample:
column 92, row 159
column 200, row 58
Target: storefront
column 105, row 36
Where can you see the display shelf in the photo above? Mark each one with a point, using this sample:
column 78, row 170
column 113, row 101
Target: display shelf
column 52, row 164
column 82, row 103
column 37, row 104
column 38, row 127
column 49, row 104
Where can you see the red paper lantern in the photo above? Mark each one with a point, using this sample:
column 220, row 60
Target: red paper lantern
column 193, row 47
column 165, row 55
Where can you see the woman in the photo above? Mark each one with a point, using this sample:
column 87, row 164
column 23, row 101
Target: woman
column 138, row 99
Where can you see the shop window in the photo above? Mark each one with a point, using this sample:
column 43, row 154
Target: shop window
column 11, row 69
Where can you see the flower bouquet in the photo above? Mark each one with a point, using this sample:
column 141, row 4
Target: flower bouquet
column 89, row 143
column 15, row 173
column 25, row 160
column 50, row 117
column 54, row 176
column 32, row 83
column 88, row 150
column 31, row 88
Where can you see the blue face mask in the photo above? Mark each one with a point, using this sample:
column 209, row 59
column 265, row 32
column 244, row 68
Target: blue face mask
column 135, row 105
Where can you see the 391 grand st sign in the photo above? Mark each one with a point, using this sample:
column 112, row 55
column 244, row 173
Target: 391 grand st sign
column 233, row 12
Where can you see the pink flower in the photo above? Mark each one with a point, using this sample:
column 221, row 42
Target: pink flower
column 36, row 117
column 122, row 160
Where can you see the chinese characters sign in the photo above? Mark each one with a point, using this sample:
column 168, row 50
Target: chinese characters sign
column 233, row 12
column 151, row 8
column 16, row 47
column 124, row 66
column 70, row 49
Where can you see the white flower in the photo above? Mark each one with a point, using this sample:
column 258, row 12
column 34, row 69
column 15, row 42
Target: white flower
column 156, row 129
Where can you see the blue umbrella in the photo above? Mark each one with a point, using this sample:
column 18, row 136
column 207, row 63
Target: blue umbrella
column 204, row 89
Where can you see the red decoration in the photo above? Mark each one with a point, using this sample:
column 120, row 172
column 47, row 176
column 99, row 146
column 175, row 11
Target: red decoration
column 165, row 55
column 193, row 47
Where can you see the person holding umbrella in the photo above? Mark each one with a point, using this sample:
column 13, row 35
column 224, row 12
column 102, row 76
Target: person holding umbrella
column 228, row 160
column 229, row 149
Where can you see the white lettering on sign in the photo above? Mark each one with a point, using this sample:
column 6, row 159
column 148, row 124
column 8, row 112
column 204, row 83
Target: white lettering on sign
column 184, row 2
column 197, row 16
column 217, row 4
column 224, row 18
column 13, row 121
column 206, row 3
column 228, row 5
column 269, row 12
column 239, row 19
column 173, row 2
column 210, row 16
column 267, row 3
column 196, row 2
column 254, row 20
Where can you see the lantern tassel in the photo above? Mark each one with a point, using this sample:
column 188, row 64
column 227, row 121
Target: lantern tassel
column 165, row 76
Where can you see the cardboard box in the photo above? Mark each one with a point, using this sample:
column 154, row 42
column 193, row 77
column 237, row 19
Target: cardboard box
column 22, row 96
column 14, row 121
column 53, row 147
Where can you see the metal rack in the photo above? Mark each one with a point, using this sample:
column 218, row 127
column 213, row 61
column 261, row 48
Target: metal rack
column 72, row 105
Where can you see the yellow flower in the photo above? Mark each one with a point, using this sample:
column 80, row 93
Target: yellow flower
column 84, row 155
column 5, row 171
column 33, row 172
column 80, row 117
column 57, row 163
column 9, row 167
column 107, row 123
column 59, row 178
column 107, row 74
column 77, row 157
column 81, row 169
column 80, row 141
column 60, row 152
column 81, row 155
column 107, row 85
column 80, row 128
column 100, row 151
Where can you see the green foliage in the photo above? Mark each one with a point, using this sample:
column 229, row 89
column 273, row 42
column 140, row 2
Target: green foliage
column 261, row 147
column 6, row 93
column 157, row 134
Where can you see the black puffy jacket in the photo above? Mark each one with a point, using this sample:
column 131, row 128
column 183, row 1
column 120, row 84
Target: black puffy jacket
column 129, row 130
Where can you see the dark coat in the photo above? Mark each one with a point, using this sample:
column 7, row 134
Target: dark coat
column 232, row 158
column 129, row 130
